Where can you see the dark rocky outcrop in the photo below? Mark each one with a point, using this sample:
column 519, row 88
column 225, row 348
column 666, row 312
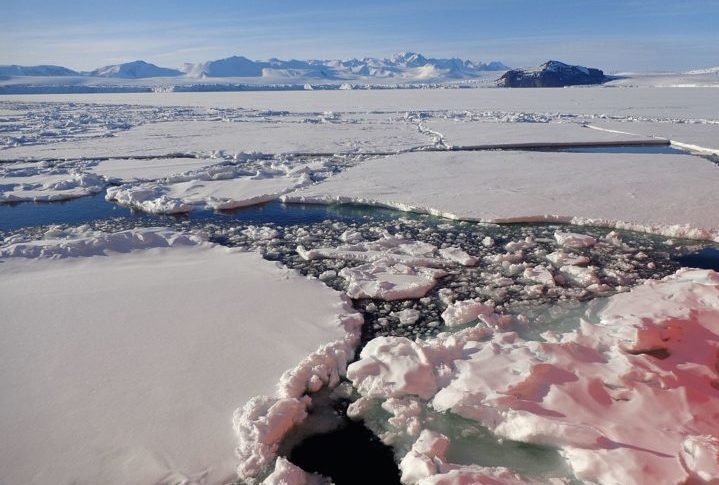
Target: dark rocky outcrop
column 552, row 74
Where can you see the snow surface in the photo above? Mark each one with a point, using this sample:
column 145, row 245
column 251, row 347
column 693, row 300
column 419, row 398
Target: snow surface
column 463, row 133
column 630, row 399
column 206, row 137
column 226, row 186
column 689, row 79
column 133, row 170
column 673, row 195
column 21, row 182
column 124, row 356
column 700, row 137
column 646, row 104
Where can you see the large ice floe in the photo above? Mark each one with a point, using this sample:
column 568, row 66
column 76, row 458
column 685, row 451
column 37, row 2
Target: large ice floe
column 697, row 137
column 503, row 186
column 124, row 355
column 246, row 136
column 631, row 398
column 462, row 133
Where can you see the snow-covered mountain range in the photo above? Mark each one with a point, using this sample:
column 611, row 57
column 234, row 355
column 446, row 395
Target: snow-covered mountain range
column 134, row 70
column 405, row 66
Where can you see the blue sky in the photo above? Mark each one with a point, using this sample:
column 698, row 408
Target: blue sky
column 611, row 34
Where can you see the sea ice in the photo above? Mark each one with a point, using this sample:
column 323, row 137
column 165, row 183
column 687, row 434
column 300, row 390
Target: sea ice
column 124, row 355
column 631, row 398
column 673, row 195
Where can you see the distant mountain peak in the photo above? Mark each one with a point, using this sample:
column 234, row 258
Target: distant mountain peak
column 135, row 70
column 43, row 70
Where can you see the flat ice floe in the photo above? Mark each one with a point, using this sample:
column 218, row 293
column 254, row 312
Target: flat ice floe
column 125, row 354
column 478, row 133
column 631, row 398
column 700, row 137
column 674, row 195
column 133, row 170
column 205, row 137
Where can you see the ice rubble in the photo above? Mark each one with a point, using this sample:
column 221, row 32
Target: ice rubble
column 395, row 268
column 20, row 182
column 134, row 170
column 143, row 378
column 221, row 186
column 632, row 398
column 525, row 187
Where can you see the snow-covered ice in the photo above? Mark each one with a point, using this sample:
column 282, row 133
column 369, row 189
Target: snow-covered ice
column 247, row 136
column 19, row 182
column 700, row 137
column 674, row 195
column 630, row 398
column 124, row 355
column 216, row 187
column 473, row 133
column 133, row 170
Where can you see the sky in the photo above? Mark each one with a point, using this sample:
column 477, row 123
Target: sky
column 614, row 35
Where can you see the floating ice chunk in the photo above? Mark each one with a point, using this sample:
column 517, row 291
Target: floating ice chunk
column 350, row 236
column 459, row 256
column 487, row 242
column 48, row 185
column 514, row 246
column 150, row 198
column 701, row 456
column 465, row 311
column 406, row 418
column 391, row 250
column 583, row 277
column 393, row 367
column 446, row 296
column 425, row 458
column 262, row 233
column 562, row 258
column 408, row 316
column 327, row 275
column 260, row 425
column 613, row 238
column 285, row 473
column 574, row 240
column 540, row 274
column 389, row 281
